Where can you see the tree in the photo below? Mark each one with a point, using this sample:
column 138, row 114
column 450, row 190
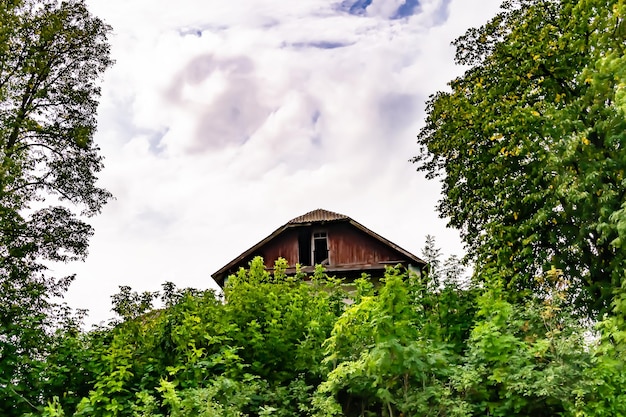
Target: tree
column 526, row 359
column 258, row 353
column 448, row 272
column 291, row 346
column 529, row 144
column 51, row 57
column 393, row 353
column 431, row 254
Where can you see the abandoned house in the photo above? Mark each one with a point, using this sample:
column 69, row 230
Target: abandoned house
column 343, row 246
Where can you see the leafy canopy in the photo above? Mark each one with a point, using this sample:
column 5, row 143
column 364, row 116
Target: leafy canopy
column 529, row 144
column 51, row 56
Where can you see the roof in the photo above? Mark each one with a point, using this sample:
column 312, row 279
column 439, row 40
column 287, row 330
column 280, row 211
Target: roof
column 318, row 216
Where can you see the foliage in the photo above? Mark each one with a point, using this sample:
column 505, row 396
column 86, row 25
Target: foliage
column 256, row 352
column 387, row 355
column 529, row 144
column 526, row 359
column 431, row 254
column 128, row 304
column 602, row 391
column 283, row 328
column 394, row 354
column 51, row 56
column 301, row 346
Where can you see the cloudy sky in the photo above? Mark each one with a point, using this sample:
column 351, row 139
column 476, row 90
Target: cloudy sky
column 222, row 120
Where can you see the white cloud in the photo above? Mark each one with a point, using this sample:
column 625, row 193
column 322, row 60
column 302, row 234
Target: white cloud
column 221, row 121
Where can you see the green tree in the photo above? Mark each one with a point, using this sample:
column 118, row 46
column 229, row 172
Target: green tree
column 258, row 351
column 51, row 56
column 525, row 359
column 529, row 144
column 291, row 346
column 602, row 392
column 393, row 353
column 431, row 254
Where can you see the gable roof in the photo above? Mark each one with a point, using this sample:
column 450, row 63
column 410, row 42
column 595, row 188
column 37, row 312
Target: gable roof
column 318, row 216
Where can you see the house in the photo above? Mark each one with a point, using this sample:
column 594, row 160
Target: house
column 345, row 247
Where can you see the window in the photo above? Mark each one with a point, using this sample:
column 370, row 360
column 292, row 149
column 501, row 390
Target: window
column 320, row 248
column 313, row 248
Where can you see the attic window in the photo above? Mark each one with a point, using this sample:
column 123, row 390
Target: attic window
column 320, row 248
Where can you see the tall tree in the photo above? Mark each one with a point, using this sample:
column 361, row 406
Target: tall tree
column 530, row 142
column 432, row 256
column 51, row 56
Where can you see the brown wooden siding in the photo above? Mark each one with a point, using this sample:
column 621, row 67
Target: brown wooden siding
column 283, row 246
column 349, row 246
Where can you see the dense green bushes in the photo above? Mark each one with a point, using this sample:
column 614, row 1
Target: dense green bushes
column 303, row 346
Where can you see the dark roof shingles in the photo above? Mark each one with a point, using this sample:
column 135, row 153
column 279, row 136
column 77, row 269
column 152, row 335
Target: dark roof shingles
column 318, row 215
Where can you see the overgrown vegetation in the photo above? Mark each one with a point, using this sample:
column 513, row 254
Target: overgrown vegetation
column 51, row 56
column 303, row 346
column 529, row 144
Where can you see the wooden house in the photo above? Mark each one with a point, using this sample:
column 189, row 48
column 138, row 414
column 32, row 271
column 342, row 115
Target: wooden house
column 345, row 247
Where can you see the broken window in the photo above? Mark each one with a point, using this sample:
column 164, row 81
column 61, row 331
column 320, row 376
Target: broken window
column 320, row 248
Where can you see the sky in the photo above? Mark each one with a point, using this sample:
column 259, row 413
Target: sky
column 222, row 120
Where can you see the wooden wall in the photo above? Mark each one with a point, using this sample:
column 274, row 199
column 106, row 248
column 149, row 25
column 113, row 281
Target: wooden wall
column 283, row 246
column 349, row 245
